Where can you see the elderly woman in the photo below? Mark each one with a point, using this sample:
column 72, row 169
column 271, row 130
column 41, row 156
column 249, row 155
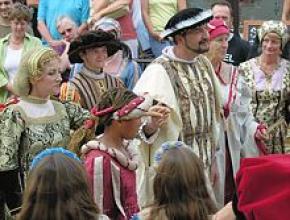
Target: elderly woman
column 35, row 122
column 13, row 46
column 239, row 126
column 268, row 77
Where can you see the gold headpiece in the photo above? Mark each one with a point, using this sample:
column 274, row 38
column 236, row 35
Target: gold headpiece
column 33, row 60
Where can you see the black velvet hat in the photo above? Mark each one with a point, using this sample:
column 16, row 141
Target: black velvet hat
column 187, row 18
column 90, row 40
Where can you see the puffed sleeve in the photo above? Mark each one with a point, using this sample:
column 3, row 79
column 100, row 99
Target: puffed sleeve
column 68, row 93
column 77, row 115
column 11, row 129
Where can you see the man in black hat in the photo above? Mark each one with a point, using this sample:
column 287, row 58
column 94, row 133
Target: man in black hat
column 183, row 79
column 92, row 49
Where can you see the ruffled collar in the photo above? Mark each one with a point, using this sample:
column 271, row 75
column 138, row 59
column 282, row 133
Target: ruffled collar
column 130, row 162
column 95, row 74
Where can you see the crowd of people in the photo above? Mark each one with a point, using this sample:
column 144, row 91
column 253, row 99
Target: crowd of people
column 86, row 132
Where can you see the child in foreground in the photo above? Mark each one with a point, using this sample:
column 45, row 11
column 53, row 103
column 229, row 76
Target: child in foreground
column 111, row 159
column 57, row 189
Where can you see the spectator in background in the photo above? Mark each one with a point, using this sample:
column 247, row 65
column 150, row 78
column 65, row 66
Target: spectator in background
column 155, row 14
column 69, row 31
column 5, row 9
column 5, row 24
column 285, row 18
column 141, row 30
column 238, row 50
column 13, row 46
column 119, row 64
column 50, row 10
column 286, row 11
column 121, row 10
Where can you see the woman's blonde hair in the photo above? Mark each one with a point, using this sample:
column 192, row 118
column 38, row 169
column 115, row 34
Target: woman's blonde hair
column 31, row 67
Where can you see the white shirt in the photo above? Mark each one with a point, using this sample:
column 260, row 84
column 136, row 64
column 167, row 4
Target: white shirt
column 12, row 62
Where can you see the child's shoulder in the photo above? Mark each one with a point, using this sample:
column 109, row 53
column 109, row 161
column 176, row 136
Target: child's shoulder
column 94, row 148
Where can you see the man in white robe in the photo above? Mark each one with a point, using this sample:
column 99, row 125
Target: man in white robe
column 182, row 79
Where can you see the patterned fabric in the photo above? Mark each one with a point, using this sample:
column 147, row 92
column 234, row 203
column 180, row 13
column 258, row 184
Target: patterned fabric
column 202, row 91
column 22, row 137
column 277, row 27
column 268, row 99
column 239, row 128
column 112, row 178
column 89, row 86
column 200, row 94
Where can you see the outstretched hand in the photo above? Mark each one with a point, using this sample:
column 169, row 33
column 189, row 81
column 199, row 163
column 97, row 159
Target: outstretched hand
column 159, row 115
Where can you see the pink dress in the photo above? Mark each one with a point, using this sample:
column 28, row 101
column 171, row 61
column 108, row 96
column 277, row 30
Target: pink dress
column 112, row 178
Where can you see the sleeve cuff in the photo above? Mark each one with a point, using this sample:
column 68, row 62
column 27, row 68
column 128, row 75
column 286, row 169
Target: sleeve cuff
column 147, row 140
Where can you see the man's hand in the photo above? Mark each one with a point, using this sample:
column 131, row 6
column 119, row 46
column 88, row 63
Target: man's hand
column 159, row 115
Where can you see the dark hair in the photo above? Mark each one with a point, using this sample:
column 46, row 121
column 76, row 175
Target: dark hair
column 223, row 3
column 57, row 189
column 20, row 11
column 179, row 187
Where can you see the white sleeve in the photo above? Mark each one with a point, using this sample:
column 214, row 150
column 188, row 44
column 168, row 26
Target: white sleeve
column 155, row 81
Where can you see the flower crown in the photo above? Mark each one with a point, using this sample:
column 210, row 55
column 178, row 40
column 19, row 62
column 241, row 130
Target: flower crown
column 164, row 148
column 51, row 151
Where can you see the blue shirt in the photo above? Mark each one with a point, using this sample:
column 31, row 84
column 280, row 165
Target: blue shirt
column 50, row 10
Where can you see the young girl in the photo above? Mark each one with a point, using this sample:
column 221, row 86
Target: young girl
column 111, row 159
column 179, row 187
column 57, row 189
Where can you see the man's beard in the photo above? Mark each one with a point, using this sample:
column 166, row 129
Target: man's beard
column 200, row 49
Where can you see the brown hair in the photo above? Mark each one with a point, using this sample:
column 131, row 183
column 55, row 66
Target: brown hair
column 223, row 3
column 57, row 189
column 179, row 187
column 20, row 12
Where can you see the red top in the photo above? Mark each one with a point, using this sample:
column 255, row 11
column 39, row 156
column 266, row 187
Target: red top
column 263, row 187
column 112, row 173
column 127, row 27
